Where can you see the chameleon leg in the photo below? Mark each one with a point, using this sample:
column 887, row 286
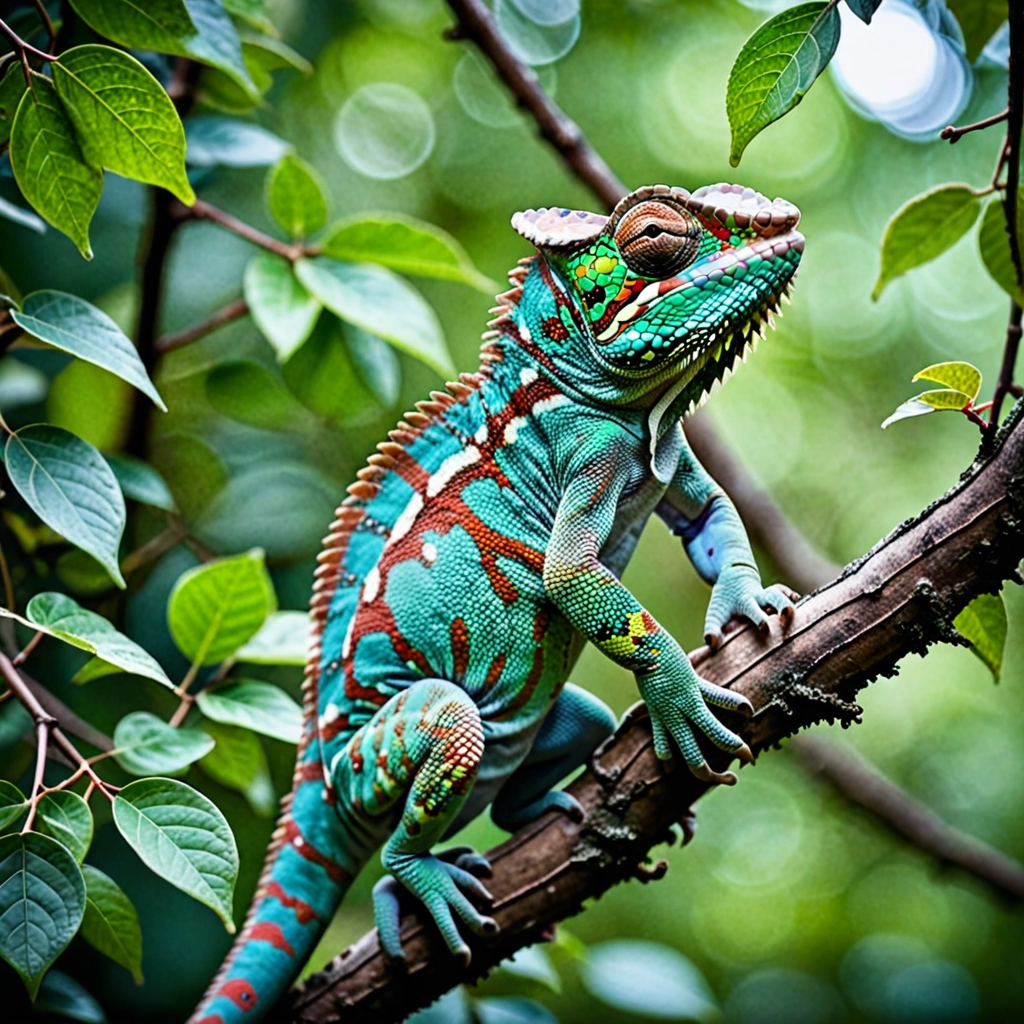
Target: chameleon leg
column 573, row 729
column 420, row 751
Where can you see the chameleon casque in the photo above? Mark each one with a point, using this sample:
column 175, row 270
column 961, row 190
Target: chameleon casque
column 483, row 545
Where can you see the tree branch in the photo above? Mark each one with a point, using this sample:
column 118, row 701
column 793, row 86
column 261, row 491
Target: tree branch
column 898, row 599
column 224, row 315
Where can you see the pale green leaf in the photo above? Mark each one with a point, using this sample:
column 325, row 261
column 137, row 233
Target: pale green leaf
column 91, row 403
column 111, row 923
column 42, row 900
column 925, row 228
column 380, row 303
column 776, row 67
column 181, row 836
column 404, row 244
column 66, row 817
column 215, row 608
column 994, row 246
column 533, row 963
column 270, row 54
column 13, row 804
column 141, row 482
column 147, row 745
column 983, row 623
column 377, row 364
column 66, row 998
column 959, row 376
column 95, row 668
column 49, row 165
column 979, row 20
column 68, row 485
column 283, row 639
column 295, row 196
column 282, row 308
column 215, row 141
column 926, row 402
column 255, row 705
column 239, row 762
column 76, row 326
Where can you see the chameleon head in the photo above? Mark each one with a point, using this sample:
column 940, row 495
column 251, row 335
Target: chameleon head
column 673, row 286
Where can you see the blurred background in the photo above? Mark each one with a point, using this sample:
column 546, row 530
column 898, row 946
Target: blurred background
column 790, row 906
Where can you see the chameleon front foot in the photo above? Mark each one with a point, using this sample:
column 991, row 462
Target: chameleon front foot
column 441, row 887
column 738, row 593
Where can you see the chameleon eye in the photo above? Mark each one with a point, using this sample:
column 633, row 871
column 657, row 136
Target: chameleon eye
column 658, row 240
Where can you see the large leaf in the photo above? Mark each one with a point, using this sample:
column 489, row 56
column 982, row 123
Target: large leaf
column 239, row 762
column 147, row 745
column 282, row 640
column 924, row 228
column 181, row 836
column 379, row 303
column 49, row 165
column 979, row 20
column 215, row 608
column 69, row 486
column 404, row 244
column 124, row 119
column 141, row 482
column 959, row 376
column 295, row 197
column 66, row 817
column 42, row 900
column 12, row 87
column 983, row 623
column 215, row 141
column 994, row 245
column 60, row 616
column 776, row 67
column 13, row 804
column 111, row 923
column 76, row 326
column 255, row 705
column 282, row 308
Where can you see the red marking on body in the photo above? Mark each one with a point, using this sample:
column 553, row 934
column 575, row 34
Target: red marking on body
column 267, row 931
column 494, row 672
column 240, row 992
column 305, row 849
column 554, row 329
column 212, row 1018
column 459, row 633
column 648, row 620
column 357, row 761
column 331, row 729
column 311, row 771
column 304, row 913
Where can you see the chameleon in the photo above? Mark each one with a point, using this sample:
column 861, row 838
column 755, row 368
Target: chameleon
column 482, row 546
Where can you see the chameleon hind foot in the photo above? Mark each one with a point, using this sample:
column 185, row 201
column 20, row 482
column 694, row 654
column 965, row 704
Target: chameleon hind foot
column 468, row 859
column 441, row 887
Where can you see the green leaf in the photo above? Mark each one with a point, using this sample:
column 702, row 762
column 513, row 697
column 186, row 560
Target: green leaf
column 49, row 165
column 76, row 326
column 283, row 310
column 255, row 705
column 979, row 20
column 94, row 668
column 215, row 141
column 141, row 482
column 864, row 9
column 181, row 836
column 13, row 803
column 282, row 640
column 59, row 616
column 111, row 923
column 929, row 401
column 377, row 364
column 511, row 1010
column 68, row 485
column 925, row 228
column 246, row 391
column 64, row 997
column 91, row 403
column 958, row 376
column 66, row 817
column 994, row 246
column 125, row 121
column 270, row 54
column 295, row 197
column 533, row 963
column 776, row 67
column 404, row 244
column 26, row 218
column 12, row 87
column 147, row 745
column 983, row 624
column 215, row 608
column 378, row 302
column 42, row 900
column 192, row 468
column 238, row 762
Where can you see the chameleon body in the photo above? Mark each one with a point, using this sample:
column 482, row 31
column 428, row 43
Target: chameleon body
column 483, row 545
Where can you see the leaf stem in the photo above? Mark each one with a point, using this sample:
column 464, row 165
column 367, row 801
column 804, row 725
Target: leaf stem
column 224, row 315
column 22, row 656
column 21, row 46
column 43, row 727
column 1005, row 385
column 48, row 23
column 953, row 134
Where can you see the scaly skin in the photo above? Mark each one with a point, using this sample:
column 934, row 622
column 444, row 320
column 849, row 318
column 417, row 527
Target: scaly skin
column 483, row 545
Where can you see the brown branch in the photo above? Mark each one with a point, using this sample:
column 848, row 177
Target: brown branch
column 952, row 134
column 898, row 599
column 902, row 814
column 202, row 210
column 224, row 315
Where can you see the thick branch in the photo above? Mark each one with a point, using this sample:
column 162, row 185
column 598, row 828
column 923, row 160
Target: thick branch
column 896, row 600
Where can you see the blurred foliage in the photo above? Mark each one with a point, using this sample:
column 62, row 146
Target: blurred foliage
column 789, row 906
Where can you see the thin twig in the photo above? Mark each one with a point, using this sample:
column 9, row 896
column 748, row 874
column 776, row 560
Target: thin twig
column 22, row 656
column 48, row 23
column 224, row 315
column 154, row 548
column 953, row 134
column 21, row 45
column 202, row 210
column 1005, row 385
column 43, row 727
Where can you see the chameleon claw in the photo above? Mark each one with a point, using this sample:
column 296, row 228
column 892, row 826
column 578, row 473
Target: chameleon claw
column 745, row 754
column 764, row 627
column 786, row 616
column 688, row 825
column 706, row 773
column 713, row 641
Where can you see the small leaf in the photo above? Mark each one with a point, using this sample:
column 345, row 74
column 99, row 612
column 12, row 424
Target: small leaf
column 283, row 639
column 378, row 302
column 958, row 376
column 533, row 962
column 215, row 608
column 141, row 482
column 511, row 1010
column 124, row 119
column 13, row 803
column 66, row 817
column 94, row 668
column 283, row 310
column 983, row 623
column 864, row 9
column 929, row 401
column 404, row 244
column 925, row 228
column 111, row 923
column 12, row 88
column 776, row 67
column 994, row 246
column 181, row 836
column 247, row 391
column 49, row 165
column 377, row 364
column 76, row 326
column 68, row 485
column 59, row 616
column 255, row 705
column 911, row 407
column 26, row 218
column 295, row 197
column 979, row 20
column 147, row 745
column 42, row 900
column 64, row 997
column 215, row 141
column 238, row 762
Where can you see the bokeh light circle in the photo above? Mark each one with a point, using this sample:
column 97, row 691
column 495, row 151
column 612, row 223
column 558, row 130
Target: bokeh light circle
column 384, row 130
column 484, row 98
column 531, row 41
column 547, row 12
